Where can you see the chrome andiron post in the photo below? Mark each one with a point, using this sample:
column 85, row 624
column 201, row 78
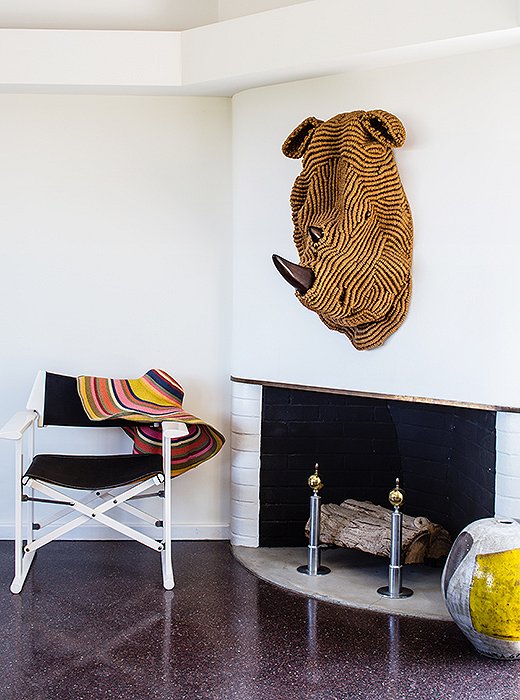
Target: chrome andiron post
column 313, row 568
column 395, row 573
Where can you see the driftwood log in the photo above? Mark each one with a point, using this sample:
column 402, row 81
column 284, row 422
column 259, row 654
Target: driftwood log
column 365, row 526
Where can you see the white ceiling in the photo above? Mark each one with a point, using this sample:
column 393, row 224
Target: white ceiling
column 53, row 53
column 165, row 15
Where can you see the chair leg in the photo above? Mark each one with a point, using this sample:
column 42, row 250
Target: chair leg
column 167, row 569
column 22, row 563
column 29, row 509
column 19, row 579
column 166, row 554
column 16, row 585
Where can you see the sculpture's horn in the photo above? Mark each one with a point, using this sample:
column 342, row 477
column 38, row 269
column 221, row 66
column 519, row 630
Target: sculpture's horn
column 300, row 277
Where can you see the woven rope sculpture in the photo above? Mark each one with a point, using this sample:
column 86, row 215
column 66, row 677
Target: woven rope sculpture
column 352, row 224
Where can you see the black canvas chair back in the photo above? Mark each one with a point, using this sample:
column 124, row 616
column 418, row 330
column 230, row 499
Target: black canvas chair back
column 62, row 404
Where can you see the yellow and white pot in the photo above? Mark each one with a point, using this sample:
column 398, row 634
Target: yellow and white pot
column 481, row 586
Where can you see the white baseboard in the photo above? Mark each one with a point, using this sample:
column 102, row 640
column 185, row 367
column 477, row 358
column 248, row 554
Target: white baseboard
column 180, row 531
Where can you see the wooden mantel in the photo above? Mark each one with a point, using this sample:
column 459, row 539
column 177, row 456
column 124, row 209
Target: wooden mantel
column 374, row 395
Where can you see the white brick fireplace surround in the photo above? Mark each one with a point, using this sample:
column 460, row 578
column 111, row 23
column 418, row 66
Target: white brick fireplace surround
column 245, row 463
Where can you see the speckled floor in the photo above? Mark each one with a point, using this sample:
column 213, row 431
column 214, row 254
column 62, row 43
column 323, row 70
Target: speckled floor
column 93, row 622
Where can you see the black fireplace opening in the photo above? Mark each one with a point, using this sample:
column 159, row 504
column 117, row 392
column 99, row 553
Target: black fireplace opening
column 443, row 455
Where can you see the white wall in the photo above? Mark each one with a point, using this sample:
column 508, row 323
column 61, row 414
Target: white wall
column 115, row 258
column 229, row 9
column 100, row 14
column 459, row 167
column 128, row 14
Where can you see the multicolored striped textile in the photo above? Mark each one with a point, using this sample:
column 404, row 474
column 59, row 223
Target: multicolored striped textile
column 153, row 398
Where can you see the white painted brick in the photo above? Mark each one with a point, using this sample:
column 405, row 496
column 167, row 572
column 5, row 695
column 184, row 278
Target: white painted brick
column 245, row 407
column 247, row 460
column 244, row 492
column 240, row 390
column 507, row 507
column 507, row 465
column 244, row 509
column 245, row 443
column 249, row 425
column 245, row 477
column 508, row 486
column 242, row 540
column 508, row 422
column 244, row 526
column 508, row 442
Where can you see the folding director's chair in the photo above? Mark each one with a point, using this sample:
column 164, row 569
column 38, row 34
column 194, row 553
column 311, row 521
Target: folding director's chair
column 54, row 400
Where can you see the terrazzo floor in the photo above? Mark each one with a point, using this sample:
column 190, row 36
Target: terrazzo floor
column 93, row 622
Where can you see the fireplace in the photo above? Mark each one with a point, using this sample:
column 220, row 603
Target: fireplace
column 444, row 457
column 457, row 462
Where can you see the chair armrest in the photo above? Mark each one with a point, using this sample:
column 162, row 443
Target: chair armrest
column 17, row 425
column 172, row 429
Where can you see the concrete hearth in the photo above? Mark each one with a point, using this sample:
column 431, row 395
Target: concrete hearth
column 353, row 581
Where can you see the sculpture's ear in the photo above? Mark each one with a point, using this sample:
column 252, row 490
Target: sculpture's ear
column 384, row 127
column 295, row 144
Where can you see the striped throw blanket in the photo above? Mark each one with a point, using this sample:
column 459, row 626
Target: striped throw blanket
column 152, row 398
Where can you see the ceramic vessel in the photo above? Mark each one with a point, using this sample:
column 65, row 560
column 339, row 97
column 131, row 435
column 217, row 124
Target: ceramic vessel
column 481, row 586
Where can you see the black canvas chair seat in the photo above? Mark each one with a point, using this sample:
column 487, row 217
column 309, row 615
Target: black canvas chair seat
column 94, row 471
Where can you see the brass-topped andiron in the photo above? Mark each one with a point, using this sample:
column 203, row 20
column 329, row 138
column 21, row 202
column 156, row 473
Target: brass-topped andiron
column 315, row 481
column 396, row 496
column 313, row 568
column 394, row 588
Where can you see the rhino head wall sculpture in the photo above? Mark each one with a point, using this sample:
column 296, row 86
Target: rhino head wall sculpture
column 352, row 225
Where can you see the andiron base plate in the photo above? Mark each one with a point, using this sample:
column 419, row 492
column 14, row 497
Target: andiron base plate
column 404, row 592
column 322, row 570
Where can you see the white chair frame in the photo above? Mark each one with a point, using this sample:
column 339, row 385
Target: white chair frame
column 21, row 429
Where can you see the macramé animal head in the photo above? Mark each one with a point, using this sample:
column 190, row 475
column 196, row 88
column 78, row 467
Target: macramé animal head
column 352, row 225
